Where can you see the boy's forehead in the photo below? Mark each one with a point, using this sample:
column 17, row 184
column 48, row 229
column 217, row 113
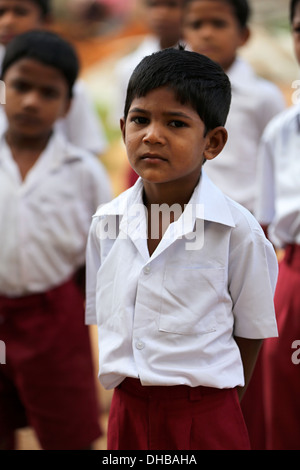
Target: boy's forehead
column 21, row 4
column 164, row 3
column 35, row 71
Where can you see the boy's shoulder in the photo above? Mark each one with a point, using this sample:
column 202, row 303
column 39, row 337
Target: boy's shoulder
column 243, row 76
column 283, row 123
column 119, row 205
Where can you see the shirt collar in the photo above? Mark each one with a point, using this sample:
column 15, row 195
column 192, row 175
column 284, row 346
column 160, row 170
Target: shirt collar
column 208, row 201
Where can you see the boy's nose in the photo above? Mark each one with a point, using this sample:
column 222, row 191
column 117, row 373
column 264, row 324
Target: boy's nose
column 8, row 19
column 31, row 100
column 153, row 134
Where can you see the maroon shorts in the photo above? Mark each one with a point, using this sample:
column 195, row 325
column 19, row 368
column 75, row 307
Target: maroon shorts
column 175, row 418
column 281, row 372
column 48, row 381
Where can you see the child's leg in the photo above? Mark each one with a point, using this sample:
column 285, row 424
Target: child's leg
column 53, row 368
column 281, row 373
column 175, row 418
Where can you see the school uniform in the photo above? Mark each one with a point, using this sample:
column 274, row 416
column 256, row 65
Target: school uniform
column 279, row 209
column 255, row 102
column 48, row 379
column 82, row 126
column 168, row 320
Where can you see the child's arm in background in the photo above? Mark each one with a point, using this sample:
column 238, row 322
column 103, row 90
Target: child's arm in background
column 249, row 349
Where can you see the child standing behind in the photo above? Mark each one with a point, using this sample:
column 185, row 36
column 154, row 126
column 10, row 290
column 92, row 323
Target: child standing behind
column 48, row 193
column 218, row 29
column 278, row 210
column 179, row 338
column 82, row 126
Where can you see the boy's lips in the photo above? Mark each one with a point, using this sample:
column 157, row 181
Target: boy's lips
column 26, row 119
column 5, row 38
column 152, row 157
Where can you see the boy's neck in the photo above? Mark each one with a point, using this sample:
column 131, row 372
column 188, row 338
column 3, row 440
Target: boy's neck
column 26, row 150
column 168, row 193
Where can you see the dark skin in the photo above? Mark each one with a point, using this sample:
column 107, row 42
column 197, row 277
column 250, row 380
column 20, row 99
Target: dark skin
column 157, row 132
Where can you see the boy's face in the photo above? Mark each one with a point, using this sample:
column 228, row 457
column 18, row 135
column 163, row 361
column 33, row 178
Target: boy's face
column 211, row 28
column 296, row 31
column 17, row 17
column 165, row 140
column 36, row 96
column 164, row 19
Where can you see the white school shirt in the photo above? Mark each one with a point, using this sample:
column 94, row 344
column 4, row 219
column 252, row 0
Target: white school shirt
column 45, row 219
column 170, row 318
column 82, row 126
column 254, row 102
column 279, row 178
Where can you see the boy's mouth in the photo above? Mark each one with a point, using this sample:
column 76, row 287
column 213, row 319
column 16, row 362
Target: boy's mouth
column 153, row 157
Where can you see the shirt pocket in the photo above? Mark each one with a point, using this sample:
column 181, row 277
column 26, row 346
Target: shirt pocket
column 191, row 300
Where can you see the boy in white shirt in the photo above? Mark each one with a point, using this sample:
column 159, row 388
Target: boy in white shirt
column 49, row 190
column 180, row 278
column 278, row 210
column 82, row 126
column 218, row 29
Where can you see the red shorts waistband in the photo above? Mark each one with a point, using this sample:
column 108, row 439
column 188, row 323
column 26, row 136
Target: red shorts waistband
column 134, row 386
column 35, row 298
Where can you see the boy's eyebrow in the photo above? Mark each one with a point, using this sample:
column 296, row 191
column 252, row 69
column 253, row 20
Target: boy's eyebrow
column 166, row 113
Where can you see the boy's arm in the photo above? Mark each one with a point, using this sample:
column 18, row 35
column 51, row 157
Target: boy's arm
column 249, row 349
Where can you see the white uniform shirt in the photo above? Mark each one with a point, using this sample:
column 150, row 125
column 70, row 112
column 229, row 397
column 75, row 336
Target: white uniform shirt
column 254, row 102
column 170, row 318
column 82, row 126
column 279, row 178
column 46, row 217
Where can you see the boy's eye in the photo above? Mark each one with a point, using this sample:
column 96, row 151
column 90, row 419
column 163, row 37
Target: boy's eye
column 17, row 11
column 296, row 29
column 177, row 123
column 139, row 120
column 50, row 93
column 20, row 86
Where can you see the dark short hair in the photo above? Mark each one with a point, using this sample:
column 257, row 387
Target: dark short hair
column 293, row 5
column 241, row 10
column 45, row 47
column 195, row 79
column 44, row 6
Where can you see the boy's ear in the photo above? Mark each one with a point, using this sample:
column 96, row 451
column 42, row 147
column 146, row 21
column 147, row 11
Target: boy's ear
column 122, row 126
column 66, row 108
column 245, row 35
column 216, row 140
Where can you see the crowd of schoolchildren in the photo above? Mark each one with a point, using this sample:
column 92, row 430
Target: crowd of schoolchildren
column 198, row 317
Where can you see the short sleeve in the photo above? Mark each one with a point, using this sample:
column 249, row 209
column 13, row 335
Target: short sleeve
column 93, row 262
column 253, row 271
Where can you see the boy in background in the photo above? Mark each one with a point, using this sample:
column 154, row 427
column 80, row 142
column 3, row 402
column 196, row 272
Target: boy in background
column 278, row 210
column 218, row 29
column 49, row 190
column 82, row 126
column 179, row 338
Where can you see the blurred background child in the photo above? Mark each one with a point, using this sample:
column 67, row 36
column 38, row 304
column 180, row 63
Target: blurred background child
column 49, row 190
column 278, row 210
column 82, row 126
column 218, row 29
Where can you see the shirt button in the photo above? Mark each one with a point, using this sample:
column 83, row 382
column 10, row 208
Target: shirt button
column 147, row 269
column 140, row 345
